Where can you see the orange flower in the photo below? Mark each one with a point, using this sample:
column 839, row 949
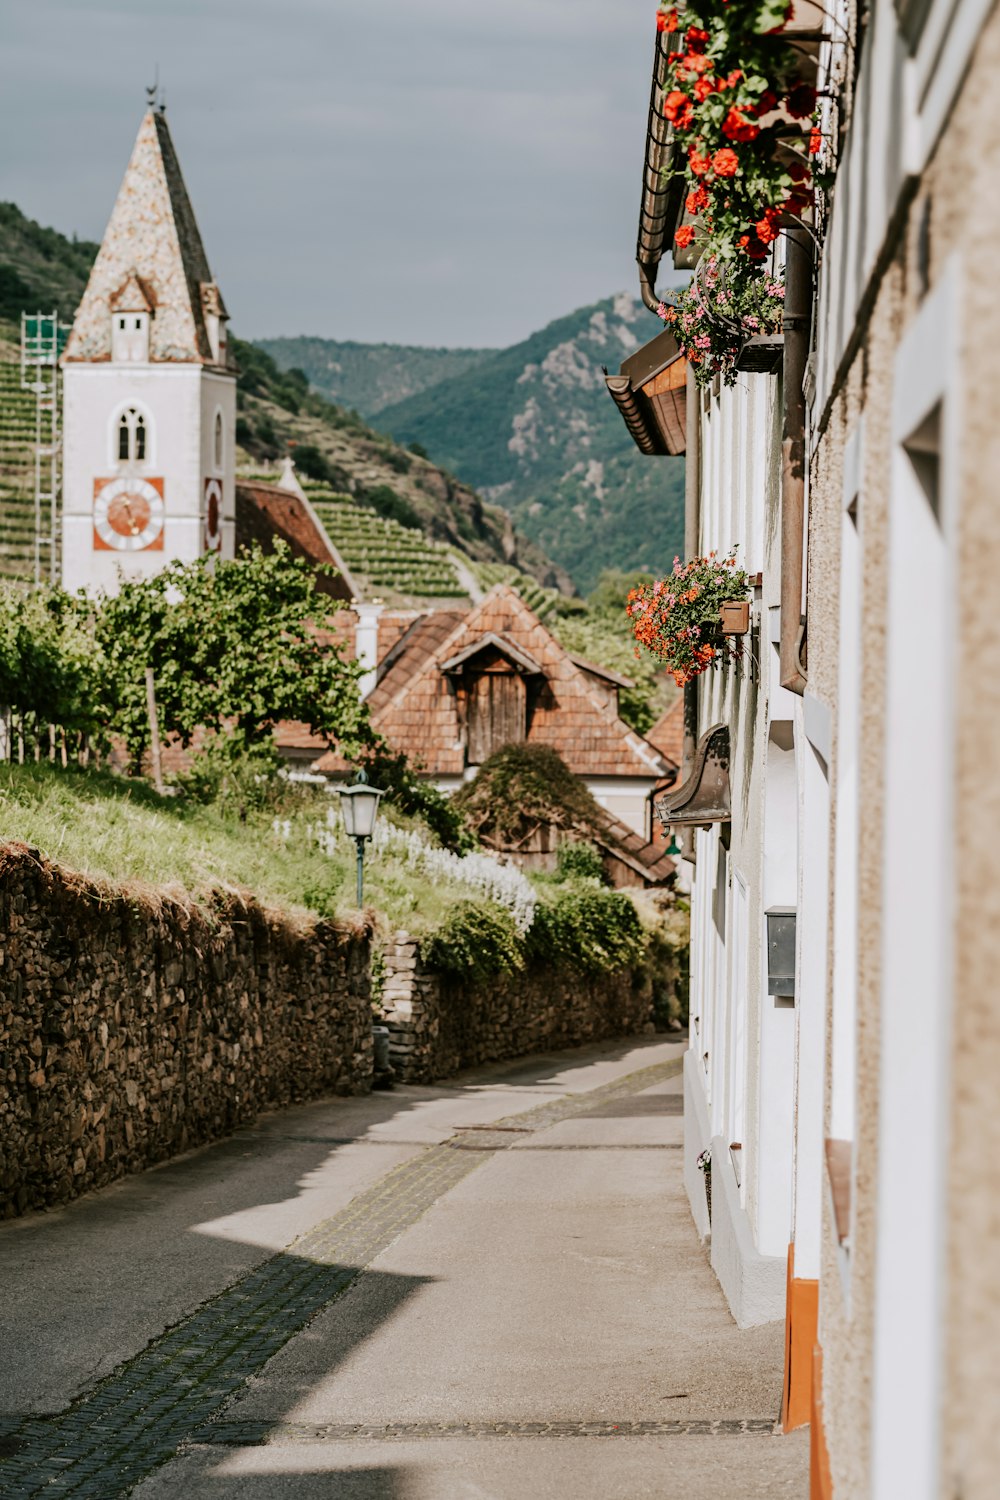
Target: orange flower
column 684, row 236
column 725, row 163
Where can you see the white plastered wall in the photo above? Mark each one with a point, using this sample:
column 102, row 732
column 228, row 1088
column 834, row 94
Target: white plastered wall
column 179, row 402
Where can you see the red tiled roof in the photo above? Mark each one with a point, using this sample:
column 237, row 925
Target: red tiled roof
column 667, row 734
column 264, row 512
column 414, row 707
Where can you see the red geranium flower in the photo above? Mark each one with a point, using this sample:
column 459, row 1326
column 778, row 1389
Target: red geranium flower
column 801, row 102
column 702, row 88
column 678, row 108
column 725, row 162
column 798, row 171
column 666, row 20
column 738, row 128
column 767, row 101
column 699, row 164
column 684, row 236
column 696, row 39
column 815, row 141
column 696, row 201
column 752, row 245
column 695, row 62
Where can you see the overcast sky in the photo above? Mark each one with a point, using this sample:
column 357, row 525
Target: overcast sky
column 431, row 171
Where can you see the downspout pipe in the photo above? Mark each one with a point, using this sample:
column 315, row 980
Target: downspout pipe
column 796, row 325
column 692, row 546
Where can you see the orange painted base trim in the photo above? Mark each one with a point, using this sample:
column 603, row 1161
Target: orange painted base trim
column 820, row 1481
column 801, row 1323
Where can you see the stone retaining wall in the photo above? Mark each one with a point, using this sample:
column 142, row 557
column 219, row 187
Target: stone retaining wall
column 134, row 1027
column 439, row 1023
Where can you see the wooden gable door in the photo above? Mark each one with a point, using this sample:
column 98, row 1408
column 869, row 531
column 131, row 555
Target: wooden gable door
column 497, row 713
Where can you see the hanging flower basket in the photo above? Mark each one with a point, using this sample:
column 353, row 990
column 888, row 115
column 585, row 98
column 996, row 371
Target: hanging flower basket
column 679, row 619
column 725, row 307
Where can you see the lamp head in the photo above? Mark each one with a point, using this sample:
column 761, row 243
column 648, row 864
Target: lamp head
column 359, row 805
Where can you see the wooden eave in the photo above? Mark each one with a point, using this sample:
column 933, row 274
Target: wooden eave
column 704, row 798
column 650, row 391
column 520, row 660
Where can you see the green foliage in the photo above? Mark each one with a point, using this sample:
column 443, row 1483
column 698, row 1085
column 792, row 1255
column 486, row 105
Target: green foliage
column 384, row 499
column 587, row 928
column 520, row 787
column 235, row 776
column 579, row 861
column 477, row 940
column 312, row 462
column 231, row 649
column 415, row 797
column 48, row 672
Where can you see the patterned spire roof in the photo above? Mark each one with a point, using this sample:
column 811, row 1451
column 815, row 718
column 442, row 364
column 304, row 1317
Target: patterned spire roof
column 152, row 238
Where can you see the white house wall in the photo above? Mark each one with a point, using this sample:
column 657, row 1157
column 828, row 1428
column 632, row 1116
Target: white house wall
column 739, row 1073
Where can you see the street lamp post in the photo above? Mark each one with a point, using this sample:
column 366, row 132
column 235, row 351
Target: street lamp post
column 359, row 805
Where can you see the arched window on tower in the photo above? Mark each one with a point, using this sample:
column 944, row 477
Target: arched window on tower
column 218, row 440
column 133, row 440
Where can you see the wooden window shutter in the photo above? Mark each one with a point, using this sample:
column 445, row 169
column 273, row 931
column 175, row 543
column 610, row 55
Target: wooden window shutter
column 497, row 713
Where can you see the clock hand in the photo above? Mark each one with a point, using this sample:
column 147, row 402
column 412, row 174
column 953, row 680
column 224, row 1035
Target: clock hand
column 131, row 519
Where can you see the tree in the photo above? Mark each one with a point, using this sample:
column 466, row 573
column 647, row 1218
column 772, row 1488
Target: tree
column 235, row 648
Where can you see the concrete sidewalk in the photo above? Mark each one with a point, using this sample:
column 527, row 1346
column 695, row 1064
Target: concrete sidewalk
column 379, row 1297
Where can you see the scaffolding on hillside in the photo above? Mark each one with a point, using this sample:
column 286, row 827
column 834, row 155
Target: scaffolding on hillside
column 43, row 338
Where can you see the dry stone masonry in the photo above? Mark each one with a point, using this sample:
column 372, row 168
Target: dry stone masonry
column 134, row 1027
column 439, row 1023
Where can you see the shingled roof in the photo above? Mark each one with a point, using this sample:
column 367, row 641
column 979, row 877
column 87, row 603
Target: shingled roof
column 151, row 244
column 264, row 513
column 414, row 706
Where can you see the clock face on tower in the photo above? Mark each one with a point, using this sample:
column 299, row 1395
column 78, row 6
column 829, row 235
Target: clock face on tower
column 128, row 514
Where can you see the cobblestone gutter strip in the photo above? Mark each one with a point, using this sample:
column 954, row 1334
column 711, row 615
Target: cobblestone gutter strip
column 281, row 1434
column 136, row 1419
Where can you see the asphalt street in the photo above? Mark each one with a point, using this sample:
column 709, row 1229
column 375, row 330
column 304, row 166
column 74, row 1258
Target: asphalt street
column 487, row 1288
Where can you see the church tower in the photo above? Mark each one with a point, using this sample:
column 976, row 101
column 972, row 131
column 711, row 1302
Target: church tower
column 149, row 392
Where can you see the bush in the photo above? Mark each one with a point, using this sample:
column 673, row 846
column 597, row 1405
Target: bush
column 477, row 940
column 392, row 507
column 576, row 861
column 237, row 777
column 312, row 462
column 589, row 929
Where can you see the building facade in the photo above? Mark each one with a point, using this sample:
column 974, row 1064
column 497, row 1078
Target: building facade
column 149, row 388
column 850, row 1112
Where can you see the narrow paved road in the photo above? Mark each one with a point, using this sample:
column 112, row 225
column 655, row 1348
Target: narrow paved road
column 490, row 1288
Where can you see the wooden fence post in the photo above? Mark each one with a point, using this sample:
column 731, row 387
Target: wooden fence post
column 154, row 732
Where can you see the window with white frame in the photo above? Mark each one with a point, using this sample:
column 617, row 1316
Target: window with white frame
column 131, row 437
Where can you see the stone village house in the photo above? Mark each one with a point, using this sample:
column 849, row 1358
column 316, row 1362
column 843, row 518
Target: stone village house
column 840, row 823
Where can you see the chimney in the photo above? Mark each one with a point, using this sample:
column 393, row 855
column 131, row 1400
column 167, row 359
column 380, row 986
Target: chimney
column 366, row 641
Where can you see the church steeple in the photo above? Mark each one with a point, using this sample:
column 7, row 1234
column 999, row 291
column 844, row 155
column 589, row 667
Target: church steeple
column 152, row 241
column 149, row 390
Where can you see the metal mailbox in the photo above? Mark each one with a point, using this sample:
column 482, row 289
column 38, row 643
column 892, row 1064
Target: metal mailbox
column 781, row 951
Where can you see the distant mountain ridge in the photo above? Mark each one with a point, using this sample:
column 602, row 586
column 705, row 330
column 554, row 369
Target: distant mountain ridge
column 370, row 377
column 533, row 429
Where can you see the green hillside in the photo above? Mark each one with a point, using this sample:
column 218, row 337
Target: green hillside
column 369, row 377
column 533, row 429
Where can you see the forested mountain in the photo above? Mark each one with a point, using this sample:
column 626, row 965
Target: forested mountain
column 370, row 377
column 533, row 429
